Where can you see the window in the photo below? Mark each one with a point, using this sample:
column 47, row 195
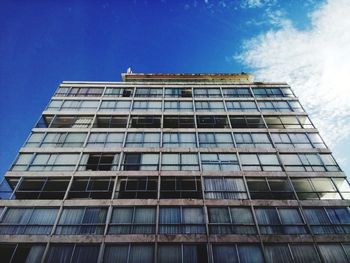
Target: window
column 178, row 92
column 182, row 253
column 149, row 92
column 133, row 220
column 236, row 92
column 137, row 187
column 334, row 252
column 316, row 188
column 224, row 188
column 252, row 140
column 75, row 105
column 212, row 121
column 147, row 121
column 241, row 105
column 176, row 105
column 270, row 188
column 119, row 92
column 207, row 92
column 82, row 221
column 35, row 139
column 132, row 253
column 65, row 121
column 280, row 122
column 80, row 91
column 115, row 105
column 260, row 162
column 181, row 220
column 105, row 140
column 45, row 162
column 180, row 161
column 272, row 92
column 28, row 221
column 231, row 220
column 343, row 187
column 42, row 188
column 221, row 140
column 110, row 122
column 328, row 220
column 247, row 122
column 291, row 140
column 209, row 106
column 238, row 253
column 146, row 105
column 280, row 106
column 179, row 139
column 142, row 139
column 64, row 253
column 64, row 139
column 29, row 253
column 180, row 187
column 140, row 161
column 285, row 221
column 300, row 253
column 91, row 188
column 219, row 162
column 309, row 162
column 99, row 162
column 178, row 121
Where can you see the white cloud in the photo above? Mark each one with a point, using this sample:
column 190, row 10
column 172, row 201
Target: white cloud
column 256, row 3
column 316, row 63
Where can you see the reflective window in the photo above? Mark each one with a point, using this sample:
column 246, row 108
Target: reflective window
column 180, row 161
column 294, row 122
column 328, row 220
column 119, row 92
column 219, row 162
column 181, row 220
column 146, row 105
column 237, row 253
column 179, row 139
column 260, row 162
column 272, row 92
column 231, row 220
column 297, row 140
column 82, row 221
column 132, row 253
column 64, row 139
column 64, row 121
column 285, row 221
column 133, row 220
column 221, row 140
column 178, row 92
column 224, row 188
column 241, row 105
column 236, row 92
column 209, row 106
column 115, row 105
column 280, row 106
column 142, row 139
column 106, row 139
column 140, row 161
column 207, row 92
column 252, row 140
column 80, row 91
column 28, row 221
column 149, row 92
column 35, row 139
column 64, row 253
column 176, row 105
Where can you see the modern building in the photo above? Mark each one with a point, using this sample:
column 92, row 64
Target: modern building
column 197, row 168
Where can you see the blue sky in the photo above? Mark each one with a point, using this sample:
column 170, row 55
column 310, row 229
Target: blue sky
column 45, row 42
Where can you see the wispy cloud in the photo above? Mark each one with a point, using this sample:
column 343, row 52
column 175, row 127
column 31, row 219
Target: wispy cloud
column 315, row 62
column 257, row 3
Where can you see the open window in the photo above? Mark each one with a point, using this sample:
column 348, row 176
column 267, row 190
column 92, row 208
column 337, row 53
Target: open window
column 99, row 162
column 91, row 188
column 132, row 187
column 180, row 187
